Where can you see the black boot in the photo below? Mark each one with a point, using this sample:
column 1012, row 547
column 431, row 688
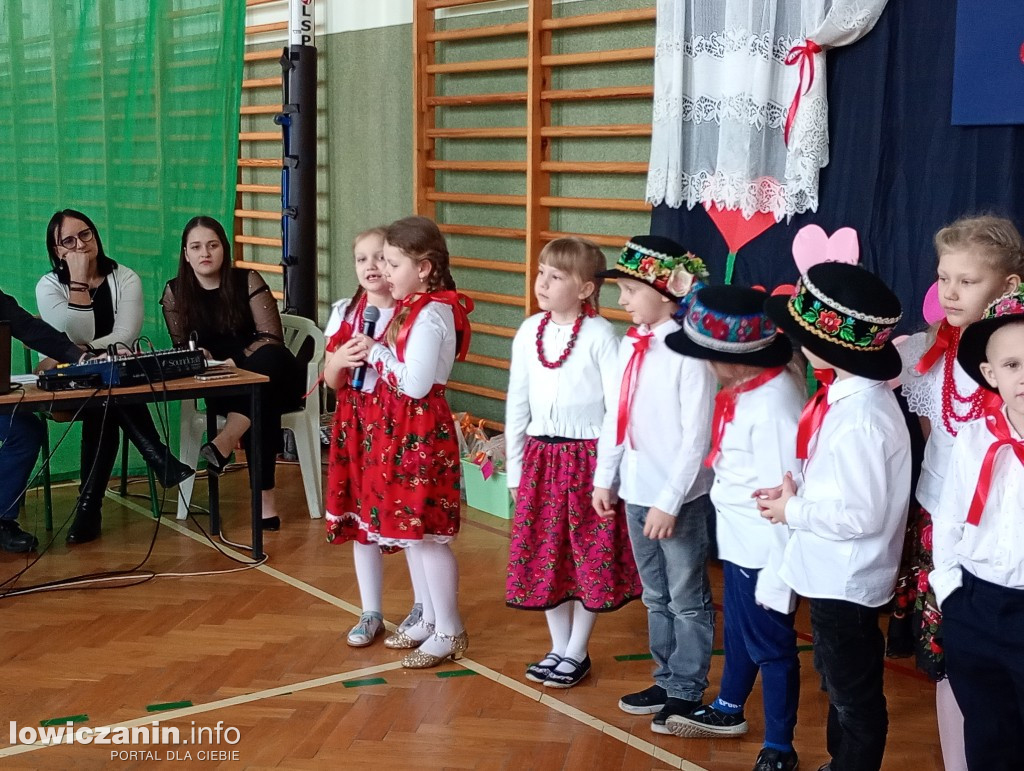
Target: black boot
column 99, row 451
column 138, row 427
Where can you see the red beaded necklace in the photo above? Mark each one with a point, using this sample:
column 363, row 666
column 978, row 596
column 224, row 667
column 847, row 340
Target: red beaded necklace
column 976, row 400
column 568, row 348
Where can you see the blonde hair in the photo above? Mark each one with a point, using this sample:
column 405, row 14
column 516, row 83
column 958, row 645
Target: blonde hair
column 419, row 239
column 358, row 294
column 581, row 259
column 996, row 239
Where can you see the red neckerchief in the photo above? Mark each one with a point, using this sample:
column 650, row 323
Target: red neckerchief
column 344, row 333
column 461, row 307
column 946, row 339
column 725, row 408
column 995, row 421
column 813, row 413
column 636, row 360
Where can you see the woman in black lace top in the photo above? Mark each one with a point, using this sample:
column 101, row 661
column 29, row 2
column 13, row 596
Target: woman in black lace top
column 231, row 314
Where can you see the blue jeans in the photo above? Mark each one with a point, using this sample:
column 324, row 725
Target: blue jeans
column 677, row 595
column 21, row 435
column 756, row 639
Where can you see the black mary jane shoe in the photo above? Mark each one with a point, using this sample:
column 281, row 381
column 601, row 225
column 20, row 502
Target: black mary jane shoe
column 540, row 671
column 580, row 669
column 215, row 462
column 270, row 523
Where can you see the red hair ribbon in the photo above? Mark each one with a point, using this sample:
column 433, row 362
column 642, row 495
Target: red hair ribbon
column 997, row 424
column 636, row 360
column 946, row 339
column 813, row 414
column 804, row 56
column 725, row 409
column 461, row 307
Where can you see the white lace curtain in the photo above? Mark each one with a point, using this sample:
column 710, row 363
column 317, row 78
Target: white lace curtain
column 722, row 93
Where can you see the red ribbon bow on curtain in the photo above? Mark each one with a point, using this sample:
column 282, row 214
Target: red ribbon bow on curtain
column 804, row 56
column 461, row 307
column 636, row 360
column 946, row 339
column 725, row 409
column 813, row 414
column 997, row 424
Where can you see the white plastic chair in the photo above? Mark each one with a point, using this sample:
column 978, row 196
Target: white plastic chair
column 304, row 423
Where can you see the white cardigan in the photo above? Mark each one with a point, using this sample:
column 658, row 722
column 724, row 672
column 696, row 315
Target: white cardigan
column 54, row 301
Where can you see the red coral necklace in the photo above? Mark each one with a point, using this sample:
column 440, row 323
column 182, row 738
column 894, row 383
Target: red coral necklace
column 950, row 394
column 569, row 346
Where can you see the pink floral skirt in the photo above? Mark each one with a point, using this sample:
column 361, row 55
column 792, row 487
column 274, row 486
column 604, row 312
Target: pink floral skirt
column 561, row 550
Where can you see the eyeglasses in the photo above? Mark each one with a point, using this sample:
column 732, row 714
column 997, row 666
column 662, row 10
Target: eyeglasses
column 84, row 237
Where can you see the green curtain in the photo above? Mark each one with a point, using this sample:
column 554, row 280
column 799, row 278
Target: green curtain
column 126, row 110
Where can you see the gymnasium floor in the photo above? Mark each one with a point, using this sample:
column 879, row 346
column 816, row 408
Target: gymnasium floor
column 261, row 653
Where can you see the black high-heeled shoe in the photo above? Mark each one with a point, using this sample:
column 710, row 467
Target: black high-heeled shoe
column 139, row 428
column 215, row 462
column 271, row 523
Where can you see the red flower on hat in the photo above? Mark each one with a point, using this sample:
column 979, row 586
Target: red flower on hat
column 718, row 328
column 648, row 266
column 881, row 337
column 829, row 321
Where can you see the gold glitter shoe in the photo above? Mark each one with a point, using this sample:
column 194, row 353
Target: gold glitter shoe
column 421, row 660
column 402, row 641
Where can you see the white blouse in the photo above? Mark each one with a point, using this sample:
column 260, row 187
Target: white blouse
column 339, row 311
column 429, row 353
column 570, row 401
column 79, row 323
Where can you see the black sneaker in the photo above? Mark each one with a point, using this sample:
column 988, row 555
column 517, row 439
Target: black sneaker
column 14, row 539
column 707, row 723
column 645, row 702
column 673, row 708
column 777, row 760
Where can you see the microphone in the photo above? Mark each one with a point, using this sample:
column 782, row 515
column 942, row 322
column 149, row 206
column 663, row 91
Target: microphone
column 370, row 316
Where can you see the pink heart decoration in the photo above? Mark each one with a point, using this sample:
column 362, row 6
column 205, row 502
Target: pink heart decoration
column 812, row 246
column 736, row 229
column 932, row 309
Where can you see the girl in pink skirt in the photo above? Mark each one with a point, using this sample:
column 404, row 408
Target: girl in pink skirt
column 564, row 559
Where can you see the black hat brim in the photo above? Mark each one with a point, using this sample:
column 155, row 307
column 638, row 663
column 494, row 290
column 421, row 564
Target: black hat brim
column 776, row 354
column 616, row 273
column 883, row 364
column 973, row 342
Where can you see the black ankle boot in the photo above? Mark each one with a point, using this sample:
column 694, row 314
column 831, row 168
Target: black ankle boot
column 100, row 443
column 138, row 427
column 87, row 525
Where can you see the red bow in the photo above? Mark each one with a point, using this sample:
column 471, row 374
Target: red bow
column 997, row 424
column 725, row 409
column 813, row 414
column 461, row 307
column 804, row 56
column 946, row 339
column 636, row 360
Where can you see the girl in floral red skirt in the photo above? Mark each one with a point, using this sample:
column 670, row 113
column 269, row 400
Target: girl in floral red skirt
column 564, row 559
column 980, row 259
column 411, row 475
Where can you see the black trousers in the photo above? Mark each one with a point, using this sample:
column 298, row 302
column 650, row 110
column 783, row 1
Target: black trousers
column 983, row 638
column 282, row 394
column 848, row 653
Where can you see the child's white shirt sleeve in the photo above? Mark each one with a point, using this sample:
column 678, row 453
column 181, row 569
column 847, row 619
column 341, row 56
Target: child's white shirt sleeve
column 609, row 452
column 517, row 409
column 696, row 395
column 415, row 376
column 948, row 524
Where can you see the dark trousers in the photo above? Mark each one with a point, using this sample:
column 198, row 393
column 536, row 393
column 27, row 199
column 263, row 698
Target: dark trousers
column 848, row 653
column 21, row 436
column 758, row 639
column 983, row 638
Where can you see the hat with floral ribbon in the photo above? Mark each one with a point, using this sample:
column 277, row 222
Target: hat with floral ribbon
column 660, row 262
column 1008, row 309
column 728, row 324
column 844, row 314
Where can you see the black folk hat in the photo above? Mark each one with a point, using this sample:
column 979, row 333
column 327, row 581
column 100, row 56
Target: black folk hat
column 1008, row 309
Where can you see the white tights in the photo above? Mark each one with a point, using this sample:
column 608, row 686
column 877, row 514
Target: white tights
column 570, row 625
column 951, row 727
column 369, row 570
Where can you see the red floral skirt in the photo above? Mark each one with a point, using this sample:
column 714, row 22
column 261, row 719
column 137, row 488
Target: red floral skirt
column 411, row 477
column 356, row 411
column 560, row 548
column 915, row 628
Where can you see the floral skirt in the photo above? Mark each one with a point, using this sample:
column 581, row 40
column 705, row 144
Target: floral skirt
column 356, row 411
column 915, row 628
column 411, row 477
column 561, row 550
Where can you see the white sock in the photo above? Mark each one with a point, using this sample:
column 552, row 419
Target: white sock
column 951, row 727
column 582, row 625
column 367, row 560
column 560, row 627
column 442, row 574
column 419, row 583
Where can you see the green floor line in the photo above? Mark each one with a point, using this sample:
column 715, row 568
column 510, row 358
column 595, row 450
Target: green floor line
column 634, row 657
column 456, row 673
column 64, row 720
column 805, row 647
column 368, row 681
column 168, row 705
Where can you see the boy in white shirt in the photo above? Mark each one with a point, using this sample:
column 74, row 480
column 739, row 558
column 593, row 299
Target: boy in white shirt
column 655, row 443
column 848, row 515
column 753, row 445
column 978, row 539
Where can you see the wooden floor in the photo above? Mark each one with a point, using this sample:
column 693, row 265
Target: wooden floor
column 263, row 651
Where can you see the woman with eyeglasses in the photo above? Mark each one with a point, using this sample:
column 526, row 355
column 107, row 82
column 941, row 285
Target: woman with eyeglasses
column 98, row 303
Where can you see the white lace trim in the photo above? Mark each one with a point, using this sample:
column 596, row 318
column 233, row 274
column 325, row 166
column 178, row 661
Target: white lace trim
column 720, row 44
column 403, row 543
column 922, row 392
